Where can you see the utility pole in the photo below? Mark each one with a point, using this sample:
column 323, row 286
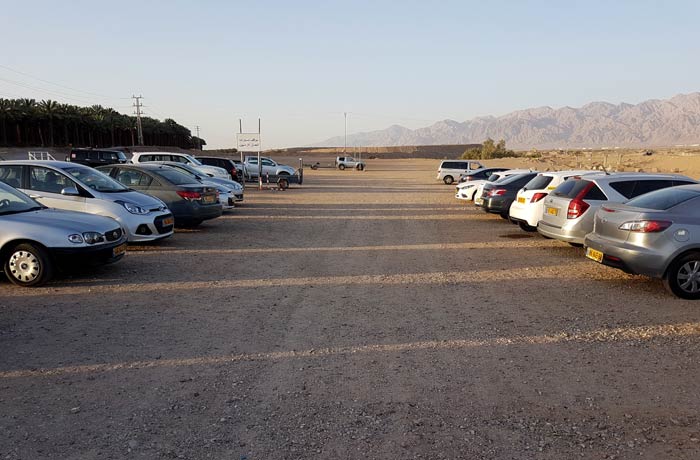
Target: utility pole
column 345, row 145
column 138, row 106
column 199, row 141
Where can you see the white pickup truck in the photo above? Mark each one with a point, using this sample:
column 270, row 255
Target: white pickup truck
column 349, row 162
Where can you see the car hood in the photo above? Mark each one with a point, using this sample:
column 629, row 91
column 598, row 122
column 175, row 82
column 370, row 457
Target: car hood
column 69, row 221
column 138, row 198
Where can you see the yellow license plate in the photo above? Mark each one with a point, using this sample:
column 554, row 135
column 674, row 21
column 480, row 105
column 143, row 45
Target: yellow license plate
column 208, row 199
column 521, row 200
column 168, row 221
column 119, row 250
column 594, row 255
column 553, row 211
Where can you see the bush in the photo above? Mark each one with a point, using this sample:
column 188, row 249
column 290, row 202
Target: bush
column 489, row 150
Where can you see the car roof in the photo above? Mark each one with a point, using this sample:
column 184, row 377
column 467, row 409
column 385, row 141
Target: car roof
column 149, row 166
column 570, row 172
column 162, row 153
column 634, row 175
column 51, row 163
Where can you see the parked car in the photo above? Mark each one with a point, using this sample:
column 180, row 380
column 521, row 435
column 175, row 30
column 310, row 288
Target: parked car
column 231, row 192
column 471, row 190
column 35, row 240
column 479, row 174
column 349, row 162
column 528, row 206
column 97, row 157
column 269, row 167
column 190, row 201
column 211, row 171
column 497, row 197
column 228, row 164
column 656, row 234
column 75, row 187
column 450, row 170
column 569, row 209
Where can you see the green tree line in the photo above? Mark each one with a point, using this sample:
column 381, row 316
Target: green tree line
column 26, row 122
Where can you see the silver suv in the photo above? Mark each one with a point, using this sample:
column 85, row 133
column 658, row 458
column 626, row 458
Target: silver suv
column 349, row 162
column 35, row 239
column 569, row 209
column 75, row 187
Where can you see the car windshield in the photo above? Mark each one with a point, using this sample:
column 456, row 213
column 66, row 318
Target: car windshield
column 493, row 177
column 193, row 160
column 121, row 155
column 185, row 169
column 13, row 201
column 96, row 180
column 663, row 199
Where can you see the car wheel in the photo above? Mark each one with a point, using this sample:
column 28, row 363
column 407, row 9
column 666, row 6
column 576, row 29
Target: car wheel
column 341, row 167
column 504, row 215
column 448, row 180
column 528, row 228
column 28, row 265
column 283, row 184
column 683, row 277
column 360, row 167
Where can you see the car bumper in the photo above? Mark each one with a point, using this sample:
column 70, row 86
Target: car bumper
column 90, row 255
column 141, row 229
column 567, row 234
column 497, row 205
column 187, row 211
column 521, row 213
column 627, row 257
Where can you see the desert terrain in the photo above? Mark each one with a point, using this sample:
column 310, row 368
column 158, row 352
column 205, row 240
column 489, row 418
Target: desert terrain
column 362, row 315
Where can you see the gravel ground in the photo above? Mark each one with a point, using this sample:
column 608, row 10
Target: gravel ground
column 365, row 315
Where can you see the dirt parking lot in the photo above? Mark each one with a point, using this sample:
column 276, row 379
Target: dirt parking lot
column 365, row 315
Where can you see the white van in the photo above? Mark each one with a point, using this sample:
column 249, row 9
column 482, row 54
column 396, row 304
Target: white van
column 75, row 187
column 450, row 170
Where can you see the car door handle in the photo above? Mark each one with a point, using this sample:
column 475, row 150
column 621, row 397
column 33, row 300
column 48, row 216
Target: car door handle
column 35, row 196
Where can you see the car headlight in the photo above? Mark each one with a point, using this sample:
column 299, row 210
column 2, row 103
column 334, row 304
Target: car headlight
column 75, row 238
column 93, row 237
column 133, row 208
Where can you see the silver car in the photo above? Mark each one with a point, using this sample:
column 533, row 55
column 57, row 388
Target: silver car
column 75, row 187
column 35, row 240
column 231, row 192
column 569, row 208
column 657, row 235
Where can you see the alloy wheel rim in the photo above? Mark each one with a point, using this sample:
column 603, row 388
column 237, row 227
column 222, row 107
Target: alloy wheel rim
column 689, row 277
column 24, row 266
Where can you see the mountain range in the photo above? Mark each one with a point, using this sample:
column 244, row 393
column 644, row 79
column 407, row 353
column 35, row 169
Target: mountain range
column 599, row 124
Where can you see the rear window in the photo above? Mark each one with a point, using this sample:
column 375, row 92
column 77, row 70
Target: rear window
column 572, row 187
column 176, row 177
column 539, row 183
column 663, row 199
column 514, row 178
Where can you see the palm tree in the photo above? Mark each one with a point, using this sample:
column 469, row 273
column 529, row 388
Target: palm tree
column 49, row 108
column 5, row 113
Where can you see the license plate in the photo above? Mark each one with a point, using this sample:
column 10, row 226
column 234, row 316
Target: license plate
column 208, row 199
column 119, row 250
column 553, row 211
column 521, row 200
column 168, row 221
column 478, row 201
column 594, row 255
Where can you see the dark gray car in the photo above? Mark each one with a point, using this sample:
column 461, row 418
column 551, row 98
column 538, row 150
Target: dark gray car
column 190, row 201
column 656, row 234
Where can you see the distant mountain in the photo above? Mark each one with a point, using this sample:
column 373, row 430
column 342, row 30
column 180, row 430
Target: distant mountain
column 598, row 124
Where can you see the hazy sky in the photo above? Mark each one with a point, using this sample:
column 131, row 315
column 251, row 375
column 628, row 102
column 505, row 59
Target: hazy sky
column 299, row 65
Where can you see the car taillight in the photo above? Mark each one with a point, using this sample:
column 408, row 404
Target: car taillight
column 646, row 226
column 189, row 195
column 468, row 178
column 537, row 197
column 496, row 192
column 577, row 206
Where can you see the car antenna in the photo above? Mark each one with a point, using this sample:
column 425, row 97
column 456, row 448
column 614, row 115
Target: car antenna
column 605, row 171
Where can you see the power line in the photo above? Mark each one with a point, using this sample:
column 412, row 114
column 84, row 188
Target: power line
column 59, row 85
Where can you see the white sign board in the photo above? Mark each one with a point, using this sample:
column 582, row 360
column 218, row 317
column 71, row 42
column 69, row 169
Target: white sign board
column 248, row 142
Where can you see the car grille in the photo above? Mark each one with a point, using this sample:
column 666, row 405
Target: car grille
column 113, row 235
column 158, row 222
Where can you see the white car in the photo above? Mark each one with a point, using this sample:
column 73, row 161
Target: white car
column 528, row 206
column 211, row 171
column 474, row 194
column 450, row 170
column 466, row 190
column 75, row 187
column 269, row 167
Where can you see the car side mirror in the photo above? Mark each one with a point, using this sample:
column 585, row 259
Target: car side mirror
column 70, row 191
